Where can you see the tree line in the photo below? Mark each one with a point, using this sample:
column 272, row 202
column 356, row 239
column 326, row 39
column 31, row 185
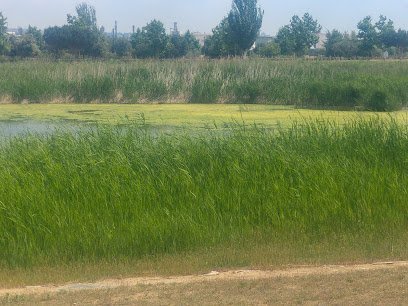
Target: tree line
column 235, row 35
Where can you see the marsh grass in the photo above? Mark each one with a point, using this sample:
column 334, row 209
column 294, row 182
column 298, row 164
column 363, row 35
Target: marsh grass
column 123, row 193
column 373, row 85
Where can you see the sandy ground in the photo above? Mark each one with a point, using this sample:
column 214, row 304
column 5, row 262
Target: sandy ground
column 347, row 284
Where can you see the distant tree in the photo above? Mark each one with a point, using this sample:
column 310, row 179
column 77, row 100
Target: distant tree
column 386, row 33
column 270, row 49
column 191, row 43
column 24, row 46
column 218, row 45
column 401, row 40
column 122, row 47
column 286, row 40
column 3, row 24
column 80, row 36
column 87, row 40
column 139, row 44
column 182, row 45
column 350, row 45
column 37, row 35
column 237, row 32
column 245, row 22
column 150, row 41
column 367, row 34
column 299, row 36
column 342, row 45
column 58, row 39
column 4, row 43
column 306, row 32
column 174, row 47
column 333, row 39
column 85, row 18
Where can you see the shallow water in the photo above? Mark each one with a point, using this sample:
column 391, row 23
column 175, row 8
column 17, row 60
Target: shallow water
column 10, row 129
column 15, row 128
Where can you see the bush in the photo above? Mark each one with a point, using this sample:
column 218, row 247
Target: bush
column 336, row 95
column 378, row 102
column 271, row 49
column 247, row 92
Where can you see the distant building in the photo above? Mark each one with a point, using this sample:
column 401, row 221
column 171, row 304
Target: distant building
column 174, row 31
column 322, row 41
column 263, row 39
column 16, row 31
column 201, row 37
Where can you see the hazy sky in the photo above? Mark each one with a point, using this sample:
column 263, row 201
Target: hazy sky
column 202, row 15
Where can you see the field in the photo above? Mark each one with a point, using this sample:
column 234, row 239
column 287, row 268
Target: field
column 200, row 165
column 371, row 85
column 115, row 200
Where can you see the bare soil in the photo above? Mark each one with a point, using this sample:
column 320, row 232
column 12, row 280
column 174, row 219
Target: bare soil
column 370, row 284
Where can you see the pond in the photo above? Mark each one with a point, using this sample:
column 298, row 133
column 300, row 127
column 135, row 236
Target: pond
column 15, row 128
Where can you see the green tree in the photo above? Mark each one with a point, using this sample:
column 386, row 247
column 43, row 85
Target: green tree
column 182, row 45
column 58, row 39
column 151, row 41
column 4, row 43
column 387, row 34
column 80, row 36
column 37, row 35
column 401, row 40
column 270, row 49
column 306, row 33
column 139, row 44
column 245, row 22
column 342, row 45
column 85, row 18
column 87, row 39
column 191, row 43
column 24, row 46
column 367, row 34
column 299, row 36
column 217, row 45
column 333, row 39
column 122, row 47
column 286, row 40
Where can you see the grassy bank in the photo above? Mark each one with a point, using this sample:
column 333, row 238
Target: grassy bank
column 376, row 85
column 114, row 194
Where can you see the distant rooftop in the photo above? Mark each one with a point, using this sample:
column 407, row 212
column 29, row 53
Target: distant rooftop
column 16, row 31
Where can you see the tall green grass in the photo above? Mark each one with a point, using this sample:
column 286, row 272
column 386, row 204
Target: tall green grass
column 374, row 85
column 114, row 193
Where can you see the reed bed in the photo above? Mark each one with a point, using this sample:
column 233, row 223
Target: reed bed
column 123, row 193
column 373, row 85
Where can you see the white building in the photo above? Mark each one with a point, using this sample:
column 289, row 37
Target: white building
column 15, row 32
column 201, row 37
column 322, row 41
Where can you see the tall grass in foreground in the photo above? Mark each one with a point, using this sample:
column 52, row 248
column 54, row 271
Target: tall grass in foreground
column 373, row 85
column 123, row 193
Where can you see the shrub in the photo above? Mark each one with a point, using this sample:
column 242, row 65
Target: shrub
column 247, row 92
column 327, row 94
column 378, row 102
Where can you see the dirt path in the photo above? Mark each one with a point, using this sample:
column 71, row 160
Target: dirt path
column 239, row 275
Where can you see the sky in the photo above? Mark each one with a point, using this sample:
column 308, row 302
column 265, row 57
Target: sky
column 202, row 15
